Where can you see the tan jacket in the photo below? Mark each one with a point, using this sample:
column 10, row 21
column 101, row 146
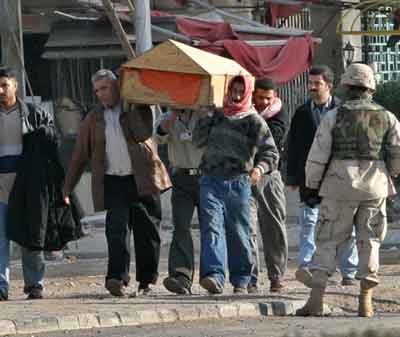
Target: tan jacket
column 350, row 179
column 137, row 125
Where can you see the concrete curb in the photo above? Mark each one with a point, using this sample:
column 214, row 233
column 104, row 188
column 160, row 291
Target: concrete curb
column 197, row 312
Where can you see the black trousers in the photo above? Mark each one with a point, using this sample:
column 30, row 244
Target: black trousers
column 184, row 199
column 126, row 213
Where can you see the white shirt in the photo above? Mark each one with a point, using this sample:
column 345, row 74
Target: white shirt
column 118, row 161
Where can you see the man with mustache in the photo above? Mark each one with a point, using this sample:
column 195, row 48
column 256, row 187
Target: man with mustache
column 301, row 134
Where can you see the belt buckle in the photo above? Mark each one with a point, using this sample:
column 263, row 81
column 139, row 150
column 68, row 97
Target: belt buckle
column 192, row 172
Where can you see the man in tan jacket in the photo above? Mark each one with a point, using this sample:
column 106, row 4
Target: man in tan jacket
column 127, row 177
column 355, row 152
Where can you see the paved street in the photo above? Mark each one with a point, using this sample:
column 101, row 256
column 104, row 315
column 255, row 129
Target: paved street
column 75, row 298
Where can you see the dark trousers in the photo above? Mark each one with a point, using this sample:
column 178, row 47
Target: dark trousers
column 127, row 212
column 184, row 199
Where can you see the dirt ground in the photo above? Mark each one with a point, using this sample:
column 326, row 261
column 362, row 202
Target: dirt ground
column 386, row 295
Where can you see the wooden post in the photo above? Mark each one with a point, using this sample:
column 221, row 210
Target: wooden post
column 143, row 26
column 116, row 23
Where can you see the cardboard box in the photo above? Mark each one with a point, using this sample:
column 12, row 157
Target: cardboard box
column 177, row 75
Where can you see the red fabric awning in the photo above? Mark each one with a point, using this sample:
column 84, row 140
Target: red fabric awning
column 281, row 63
column 204, row 30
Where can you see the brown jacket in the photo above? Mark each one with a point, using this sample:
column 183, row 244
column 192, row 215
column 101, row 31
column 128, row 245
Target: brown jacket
column 137, row 125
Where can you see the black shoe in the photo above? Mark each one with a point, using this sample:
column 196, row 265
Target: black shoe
column 176, row 285
column 35, row 294
column 3, row 294
column 144, row 289
column 115, row 287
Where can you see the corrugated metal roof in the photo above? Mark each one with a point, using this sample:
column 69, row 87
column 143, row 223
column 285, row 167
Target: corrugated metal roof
column 85, row 39
column 89, row 33
column 76, row 53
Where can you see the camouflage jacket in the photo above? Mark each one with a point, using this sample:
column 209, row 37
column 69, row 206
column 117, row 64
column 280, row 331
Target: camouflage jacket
column 342, row 169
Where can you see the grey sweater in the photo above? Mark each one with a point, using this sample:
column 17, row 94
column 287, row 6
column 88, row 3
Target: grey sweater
column 235, row 145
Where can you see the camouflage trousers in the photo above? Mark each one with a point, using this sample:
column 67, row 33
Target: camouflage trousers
column 334, row 228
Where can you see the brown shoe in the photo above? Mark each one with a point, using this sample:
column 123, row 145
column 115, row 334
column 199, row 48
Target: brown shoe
column 347, row 282
column 115, row 287
column 304, row 276
column 252, row 289
column 239, row 290
column 276, row 286
column 211, row 285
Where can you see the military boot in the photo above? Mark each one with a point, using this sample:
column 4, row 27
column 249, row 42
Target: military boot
column 365, row 308
column 314, row 305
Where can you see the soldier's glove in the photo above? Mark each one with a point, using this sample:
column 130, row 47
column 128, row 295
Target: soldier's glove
column 311, row 197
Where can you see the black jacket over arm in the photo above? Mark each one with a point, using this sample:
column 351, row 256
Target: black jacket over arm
column 279, row 126
column 38, row 218
column 301, row 135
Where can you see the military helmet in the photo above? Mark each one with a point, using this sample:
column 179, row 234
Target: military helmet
column 360, row 75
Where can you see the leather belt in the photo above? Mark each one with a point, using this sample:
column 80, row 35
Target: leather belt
column 187, row 171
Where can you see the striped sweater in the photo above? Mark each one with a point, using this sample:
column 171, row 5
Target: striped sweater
column 235, row 145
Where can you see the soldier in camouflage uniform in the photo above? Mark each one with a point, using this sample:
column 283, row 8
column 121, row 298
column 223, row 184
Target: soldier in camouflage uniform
column 355, row 152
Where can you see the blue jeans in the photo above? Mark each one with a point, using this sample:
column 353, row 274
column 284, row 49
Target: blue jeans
column 308, row 216
column 33, row 266
column 225, row 229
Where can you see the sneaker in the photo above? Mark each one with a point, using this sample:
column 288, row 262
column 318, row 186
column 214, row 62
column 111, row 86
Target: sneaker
column 211, row 285
column 348, row 282
column 176, row 285
column 35, row 294
column 144, row 289
column 239, row 290
column 276, row 286
column 252, row 289
column 115, row 287
column 3, row 294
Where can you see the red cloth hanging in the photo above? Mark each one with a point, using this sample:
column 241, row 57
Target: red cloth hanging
column 281, row 63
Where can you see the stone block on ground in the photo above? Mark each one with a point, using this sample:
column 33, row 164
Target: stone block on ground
column 7, row 327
